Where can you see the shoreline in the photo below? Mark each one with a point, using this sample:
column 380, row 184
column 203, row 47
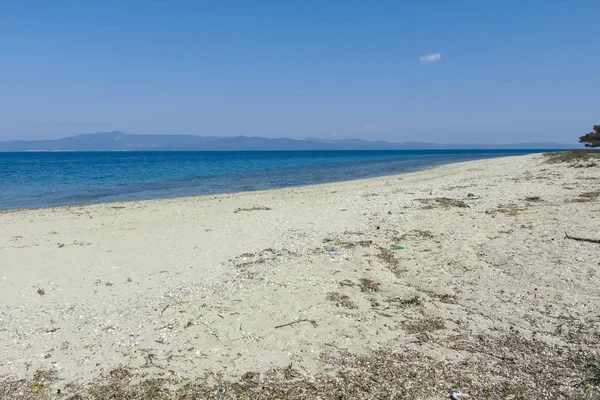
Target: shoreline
column 121, row 202
column 104, row 199
column 443, row 279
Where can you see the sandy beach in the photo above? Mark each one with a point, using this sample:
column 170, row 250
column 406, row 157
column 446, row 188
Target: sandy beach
column 459, row 278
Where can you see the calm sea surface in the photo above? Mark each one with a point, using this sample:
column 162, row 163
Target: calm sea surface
column 51, row 179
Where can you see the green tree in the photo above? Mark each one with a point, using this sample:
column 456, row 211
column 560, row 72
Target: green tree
column 592, row 139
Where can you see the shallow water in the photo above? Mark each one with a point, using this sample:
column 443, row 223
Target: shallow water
column 29, row 180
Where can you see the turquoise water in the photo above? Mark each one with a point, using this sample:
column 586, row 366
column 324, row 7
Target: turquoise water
column 29, row 180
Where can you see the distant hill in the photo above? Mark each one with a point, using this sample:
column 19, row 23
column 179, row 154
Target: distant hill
column 119, row 141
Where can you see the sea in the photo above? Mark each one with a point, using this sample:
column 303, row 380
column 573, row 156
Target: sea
column 44, row 179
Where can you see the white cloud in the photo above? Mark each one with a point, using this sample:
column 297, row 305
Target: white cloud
column 430, row 58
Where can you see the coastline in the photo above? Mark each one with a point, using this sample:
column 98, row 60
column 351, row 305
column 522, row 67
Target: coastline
column 459, row 264
column 216, row 195
column 97, row 178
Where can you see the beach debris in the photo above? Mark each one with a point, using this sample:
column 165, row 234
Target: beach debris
column 582, row 239
column 506, row 209
column 533, row 198
column 36, row 388
column 165, row 309
column 416, row 233
column 423, row 325
column 41, row 291
column 586, row 197
column 442, row 202
column 458, row 395
column 389, row 259
column 220, row 392
column 251, row 376
column 255, row 208
column 413, row 301
column 52, row 330
column 590, row 195
column 290, row 372
column 349, row 245
column 341, row 300
column 313, row 323
column 333, row 251
column 369, row 285
column 444, row 298
column 398, row 247
column 595, row 379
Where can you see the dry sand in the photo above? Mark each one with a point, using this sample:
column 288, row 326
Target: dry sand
column 485, row 294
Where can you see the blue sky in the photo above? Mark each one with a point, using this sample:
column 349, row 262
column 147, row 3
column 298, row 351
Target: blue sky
column 509, row 71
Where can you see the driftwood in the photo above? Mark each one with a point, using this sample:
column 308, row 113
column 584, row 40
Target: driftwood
column 314, row 323
column 580, row 239
column 165, row 309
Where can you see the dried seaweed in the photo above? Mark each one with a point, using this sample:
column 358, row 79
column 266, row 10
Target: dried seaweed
column 443, row 202
column 255, row 208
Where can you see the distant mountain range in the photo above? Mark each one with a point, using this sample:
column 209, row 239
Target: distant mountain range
column 119, row 141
